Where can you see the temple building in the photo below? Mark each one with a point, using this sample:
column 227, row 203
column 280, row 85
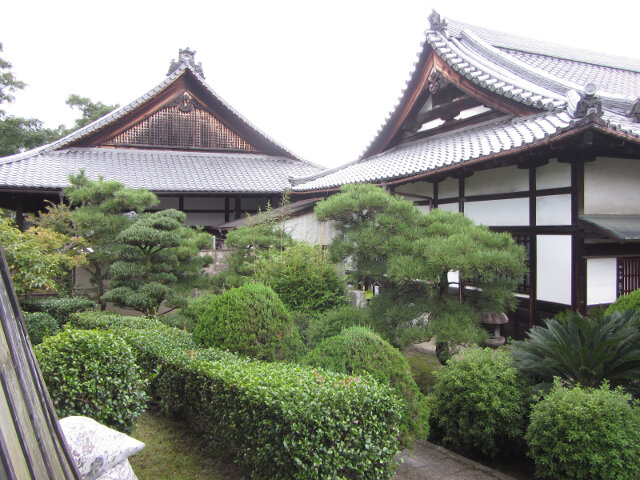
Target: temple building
column 525, row 137
column 180, row 140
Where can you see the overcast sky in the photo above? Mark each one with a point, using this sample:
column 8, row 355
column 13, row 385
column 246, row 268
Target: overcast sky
column 319, row 77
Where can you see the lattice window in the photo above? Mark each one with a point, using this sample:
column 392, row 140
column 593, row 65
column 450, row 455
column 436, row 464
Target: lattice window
column 525, row 242
column 182, row 124
column 628, row 275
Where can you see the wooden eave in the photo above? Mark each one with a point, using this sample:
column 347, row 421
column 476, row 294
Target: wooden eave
column 216, row 107
column 417, row 92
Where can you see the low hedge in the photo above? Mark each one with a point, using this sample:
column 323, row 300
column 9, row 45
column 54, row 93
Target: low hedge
column 103, row 320
column 283, row 420
column 40, row 325
column 59, row 308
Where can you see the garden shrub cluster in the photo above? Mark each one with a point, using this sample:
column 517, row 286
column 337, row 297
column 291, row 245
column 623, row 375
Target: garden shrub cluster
column 39, row 326
column 578, row 433
column 358, row 351
column 58, row 307
column 105, row 320
column 332, row 322
column 93, row 373
column 481, row 403
column 630, row 301
column 250, row 320
column 283, row 420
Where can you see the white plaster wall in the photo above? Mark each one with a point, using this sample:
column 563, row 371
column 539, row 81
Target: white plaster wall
column 513, row 211
column 448, row 188
column 612, row 185
column 497, row 180
column 449, row 207
column 204, row 219
column 554, row 268
column 424, row 208
column 307, row 227
column 417, row 188
column 203, row 203
column 168, row 202
column 553, row 210
column 553, row 175
column 601, row 280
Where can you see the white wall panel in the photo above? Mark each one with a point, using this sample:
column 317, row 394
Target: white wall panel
column 553, row 210
column 601, row 280
column 553, row 175
column 424, row 208
column 612, row 185
column 554, row 268
column 204, row 219
column 497, row 180
column 448, row 188
column 417, row 188
column 513, row 211
column 308, row 228
column 203, row 203
column 449, row 207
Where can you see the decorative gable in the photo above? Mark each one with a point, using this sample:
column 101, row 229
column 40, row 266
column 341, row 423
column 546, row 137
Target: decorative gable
column 182, row 123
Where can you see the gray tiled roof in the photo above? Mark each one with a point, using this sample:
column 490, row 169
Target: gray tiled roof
column 156, row 170
column 535, row 73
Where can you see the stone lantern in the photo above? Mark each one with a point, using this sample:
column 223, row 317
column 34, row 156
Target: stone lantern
column 494, row 319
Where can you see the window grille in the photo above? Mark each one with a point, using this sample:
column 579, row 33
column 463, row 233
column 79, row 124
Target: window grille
column 173, row 127
column 628, row 275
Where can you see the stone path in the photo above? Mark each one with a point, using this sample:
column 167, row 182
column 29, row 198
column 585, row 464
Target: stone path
column 427, row 461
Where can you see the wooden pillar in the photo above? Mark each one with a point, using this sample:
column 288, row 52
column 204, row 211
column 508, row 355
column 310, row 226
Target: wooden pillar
column 237, row 209
column 435, row 194
column 533, row 248
column 20, row 212
column 578, row 261
column 461, row 194
column 227, row 215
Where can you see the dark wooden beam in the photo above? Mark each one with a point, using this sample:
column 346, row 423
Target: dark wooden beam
column 447, row 111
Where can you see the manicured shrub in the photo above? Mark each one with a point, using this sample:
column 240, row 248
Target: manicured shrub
column 580, row 433
column 357, row 351
column 480, row 403
column 103, row 320
column 630, row 301
column 94, row 374
column 332, row 322
column 583, row 350
column 58, row 307
column 303, row 277
column 196, row 308
column 282, row 421
column 39, row 326
column 249, row 320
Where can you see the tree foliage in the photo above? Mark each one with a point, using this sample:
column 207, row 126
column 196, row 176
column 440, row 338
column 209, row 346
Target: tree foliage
column 39, row 258
column 389, row 240
column 159, row 263
column 91, row 111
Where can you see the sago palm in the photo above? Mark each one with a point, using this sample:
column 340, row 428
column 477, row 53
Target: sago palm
column 583, row 350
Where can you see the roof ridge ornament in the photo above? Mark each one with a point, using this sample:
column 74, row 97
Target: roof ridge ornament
column 186, row 57
column 436, row 22
column 581, row 106
column 634, row 111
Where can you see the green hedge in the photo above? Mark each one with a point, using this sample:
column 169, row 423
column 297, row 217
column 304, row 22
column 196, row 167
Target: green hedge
column 39, row 326
column 103, row 320
column 630, row 301
column 583, row 433
column 284, row 421
column 59, row 308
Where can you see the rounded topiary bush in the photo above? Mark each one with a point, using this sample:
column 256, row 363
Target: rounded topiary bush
column 332, row 322
column 39, row 326
column 250, row 320
column 578, row 433
column 93, row 373
column 480, row 403
column 359, row 350
column 630, row 301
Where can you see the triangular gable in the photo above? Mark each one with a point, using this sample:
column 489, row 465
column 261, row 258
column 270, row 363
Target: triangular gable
column 181, row 113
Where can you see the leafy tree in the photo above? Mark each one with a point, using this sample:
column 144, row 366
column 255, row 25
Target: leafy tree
column 389, row 240
column 37, row 258
column 160, row 263
column 91, row 111
column 98, row 211
column 583, row 350
column 18, row 134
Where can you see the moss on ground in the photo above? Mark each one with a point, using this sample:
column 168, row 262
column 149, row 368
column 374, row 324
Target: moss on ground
column 422, row 367
column 175, row 452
